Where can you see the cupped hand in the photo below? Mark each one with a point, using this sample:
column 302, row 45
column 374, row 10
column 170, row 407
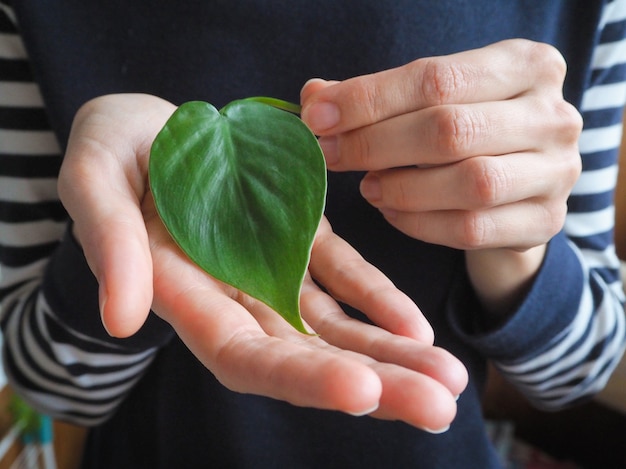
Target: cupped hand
column 476, row 151
column 390, row 370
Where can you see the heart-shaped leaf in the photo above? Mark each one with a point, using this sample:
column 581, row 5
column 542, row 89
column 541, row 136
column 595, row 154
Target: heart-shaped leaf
column 242, row 191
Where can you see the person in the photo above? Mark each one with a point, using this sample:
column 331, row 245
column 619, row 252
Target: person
column 454, row 147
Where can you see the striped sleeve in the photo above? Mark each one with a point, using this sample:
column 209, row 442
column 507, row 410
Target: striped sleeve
column 578, row 362
column 57, row 368
column 31, row 217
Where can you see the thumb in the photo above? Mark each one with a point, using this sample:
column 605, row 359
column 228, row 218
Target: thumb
column 101, row 184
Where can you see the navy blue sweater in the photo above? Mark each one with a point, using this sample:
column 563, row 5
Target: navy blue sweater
column 177, row 414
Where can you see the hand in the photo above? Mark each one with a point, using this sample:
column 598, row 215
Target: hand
column 392, row 371
column 476, row 151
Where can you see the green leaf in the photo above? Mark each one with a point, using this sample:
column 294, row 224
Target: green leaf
column 242, row 191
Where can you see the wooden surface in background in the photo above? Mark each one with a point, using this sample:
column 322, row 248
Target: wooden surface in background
column 620, row 204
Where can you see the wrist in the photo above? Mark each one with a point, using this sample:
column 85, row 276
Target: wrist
column 502, row 277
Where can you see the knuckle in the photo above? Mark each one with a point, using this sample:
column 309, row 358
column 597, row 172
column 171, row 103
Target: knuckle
column 370, row 99
column 547, row 59
column 401, row 196
column 556, row 219
column 489, row 180
column 570, row 121
column 476, row 230
column 551, row 219
column 459, row 129
column 572, row 168
column 570, row 130
column 358, row 144
column 441, row 80
column 565, row 127
column 575, row 167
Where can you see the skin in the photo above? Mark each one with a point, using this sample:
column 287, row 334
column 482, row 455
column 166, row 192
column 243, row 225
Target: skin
column 476, row 151
column 392, row 371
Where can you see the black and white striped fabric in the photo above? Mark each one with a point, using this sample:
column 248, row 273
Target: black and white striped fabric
column 76, row 377
column 31, row 217
column 579, row 362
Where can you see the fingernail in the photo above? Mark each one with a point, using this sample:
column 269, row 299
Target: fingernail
column 366, row 412
column 321, row 116
column 330, row 148
column 311, row 81
column 370, row 188
column 437, row 432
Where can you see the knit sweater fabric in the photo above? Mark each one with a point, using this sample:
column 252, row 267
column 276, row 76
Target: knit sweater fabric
column 149, row 401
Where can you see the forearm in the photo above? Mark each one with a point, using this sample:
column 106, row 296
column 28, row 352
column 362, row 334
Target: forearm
column 502, row 278
column 581, row 352
column 559, row 344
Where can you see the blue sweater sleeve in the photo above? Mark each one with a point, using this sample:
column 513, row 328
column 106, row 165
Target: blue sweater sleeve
column 510, row 340
column 563, row 341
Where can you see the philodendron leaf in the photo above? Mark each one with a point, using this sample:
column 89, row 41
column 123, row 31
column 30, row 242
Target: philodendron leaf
column 242, row 191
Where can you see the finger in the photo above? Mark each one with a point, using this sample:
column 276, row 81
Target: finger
column 496, row 72
column 352, row 280
column 449, row 133
column 313, row 85
column 479, row 183
column 335, row 327
column 112, row 234
column 122, row 265
column 303, row 370
column 416, row 400
column 228, row 340
column 419, row 382
column 101, row 185
column 502, row 226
